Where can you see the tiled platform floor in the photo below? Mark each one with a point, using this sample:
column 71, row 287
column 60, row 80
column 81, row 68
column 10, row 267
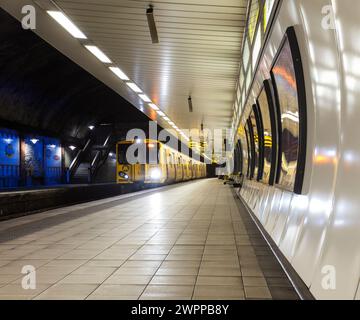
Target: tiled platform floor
column 188, row 241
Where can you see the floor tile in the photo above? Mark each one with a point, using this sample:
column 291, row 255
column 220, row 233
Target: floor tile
column 219, row 281
column 156, row 292
column 118, row 290
column 128, row 279
column 173, row 280
column 219, row 292
column 67, row 291
column 257, row 292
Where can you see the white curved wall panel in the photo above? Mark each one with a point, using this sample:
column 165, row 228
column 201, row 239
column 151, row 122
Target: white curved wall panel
column 318, row 231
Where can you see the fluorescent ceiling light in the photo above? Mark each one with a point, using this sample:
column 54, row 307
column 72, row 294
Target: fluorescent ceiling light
column 171, row 123
column 98, row 54
column 160, row 113
column 119, row 73
column 134, row 87
column 145, row 97
column 153, row 106
column 166, row 119
column 67, row 24
column 175, row 126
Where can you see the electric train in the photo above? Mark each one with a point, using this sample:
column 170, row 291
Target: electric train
column 161, row 164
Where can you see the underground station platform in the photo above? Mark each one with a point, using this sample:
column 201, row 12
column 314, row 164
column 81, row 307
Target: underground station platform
column 182, row 159
column 188, row 241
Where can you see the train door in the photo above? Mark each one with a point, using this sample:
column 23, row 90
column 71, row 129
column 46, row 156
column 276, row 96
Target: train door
column 180, row 169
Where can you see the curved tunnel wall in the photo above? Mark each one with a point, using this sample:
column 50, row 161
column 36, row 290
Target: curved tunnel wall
column 42, row 89
column 318, row 231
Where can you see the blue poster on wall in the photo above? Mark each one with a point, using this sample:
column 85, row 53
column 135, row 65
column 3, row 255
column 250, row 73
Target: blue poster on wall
column 9, row 159
column 52, row 163
column 9, row 148
column 52, row 153
column 34, row 157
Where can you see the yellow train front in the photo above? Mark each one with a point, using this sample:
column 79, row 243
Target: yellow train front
column 160, row 164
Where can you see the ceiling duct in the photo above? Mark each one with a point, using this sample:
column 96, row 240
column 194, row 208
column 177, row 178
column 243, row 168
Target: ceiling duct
column 152, row 25
column 190, row 104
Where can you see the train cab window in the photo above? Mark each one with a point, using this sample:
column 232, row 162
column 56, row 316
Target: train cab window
column 122, row 149
column 289, row 87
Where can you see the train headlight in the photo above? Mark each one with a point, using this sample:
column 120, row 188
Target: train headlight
column 155, row 174
column 123, row 175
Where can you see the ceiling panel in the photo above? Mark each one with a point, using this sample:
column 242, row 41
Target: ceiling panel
column 198, row 53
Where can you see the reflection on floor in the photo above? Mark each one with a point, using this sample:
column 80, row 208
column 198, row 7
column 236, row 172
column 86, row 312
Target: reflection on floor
column 182, row 242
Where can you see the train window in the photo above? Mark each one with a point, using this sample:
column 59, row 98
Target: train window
column 265, row 104
column 153, row 151
column 172, row 159
column 289, row 87
column 122, row 149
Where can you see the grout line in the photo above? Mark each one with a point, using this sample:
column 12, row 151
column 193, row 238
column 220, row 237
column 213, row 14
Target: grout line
column 202, row 256
column 166, row 256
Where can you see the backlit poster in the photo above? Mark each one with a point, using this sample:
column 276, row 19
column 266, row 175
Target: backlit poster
column 34, row 157
column 52, row 164
column 9, row 148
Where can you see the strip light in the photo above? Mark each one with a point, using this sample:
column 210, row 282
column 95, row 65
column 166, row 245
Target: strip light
column 98, row 53
column 70, row 27
column 119, row 73
column 154, row 106
column 144, row 97
column 134, row 87
column 67, row 24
